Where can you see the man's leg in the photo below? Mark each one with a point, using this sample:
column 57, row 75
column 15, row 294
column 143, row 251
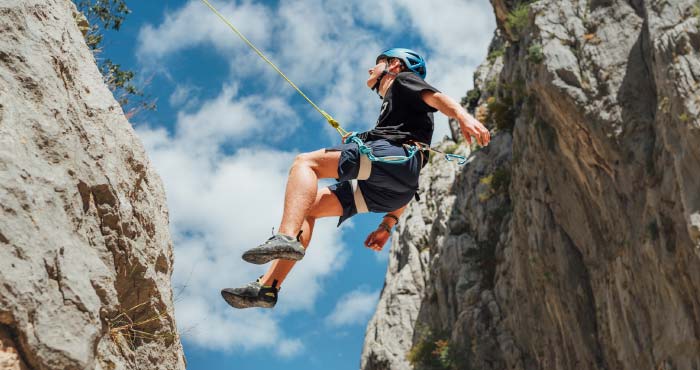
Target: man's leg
column 302, row 188
column 325, row 205
column 263, row 292
column 300, row 196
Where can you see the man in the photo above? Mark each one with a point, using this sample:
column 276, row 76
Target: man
column 406, row 117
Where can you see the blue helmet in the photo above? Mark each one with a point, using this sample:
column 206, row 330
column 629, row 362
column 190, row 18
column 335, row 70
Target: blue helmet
column 414, row 62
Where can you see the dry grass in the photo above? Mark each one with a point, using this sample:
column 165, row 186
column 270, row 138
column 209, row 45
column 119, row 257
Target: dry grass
column 123, row 330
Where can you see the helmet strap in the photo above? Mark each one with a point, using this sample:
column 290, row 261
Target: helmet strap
column 381, row 76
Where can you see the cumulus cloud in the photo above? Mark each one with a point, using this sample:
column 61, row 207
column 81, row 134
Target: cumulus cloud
column 184, row 97
column 457, row 34
column 231, row 117
column 354, row 308
column 225, row 184
column 289, row 348
column 327, row 46
column 222, row 204
column 195, row 25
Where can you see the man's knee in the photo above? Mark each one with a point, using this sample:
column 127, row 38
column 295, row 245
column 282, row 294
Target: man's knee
column 305, row 160
column 324, row 164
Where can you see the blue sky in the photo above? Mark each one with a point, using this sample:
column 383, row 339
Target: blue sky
column 226, row 130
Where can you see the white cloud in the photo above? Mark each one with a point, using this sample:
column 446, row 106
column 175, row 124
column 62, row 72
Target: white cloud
column 232, row 118
column 457, row 34
column 194, row 24
column 225, row 187
column 184, row 97
column 354, row 308
column 289, row 348
column 452, row 27
column 325, row 47
column 222, row 204
column 381, row 14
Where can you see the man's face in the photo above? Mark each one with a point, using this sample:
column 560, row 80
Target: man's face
column 375, row 72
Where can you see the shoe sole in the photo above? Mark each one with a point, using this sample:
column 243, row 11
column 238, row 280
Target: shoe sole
column 266, row 255
column 237, row 301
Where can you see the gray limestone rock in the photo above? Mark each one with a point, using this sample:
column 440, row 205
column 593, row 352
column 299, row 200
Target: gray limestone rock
column 572, row 241
column 85, row 251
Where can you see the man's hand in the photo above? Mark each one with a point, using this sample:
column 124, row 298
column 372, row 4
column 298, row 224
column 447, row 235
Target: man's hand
column 377, row 239
column 468, row 124
column 471, row 127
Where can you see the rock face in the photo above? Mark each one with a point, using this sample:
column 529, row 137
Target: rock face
column 573, row 240
column 85, row 252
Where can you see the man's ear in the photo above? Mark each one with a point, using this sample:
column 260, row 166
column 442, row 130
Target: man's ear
column 395, row 62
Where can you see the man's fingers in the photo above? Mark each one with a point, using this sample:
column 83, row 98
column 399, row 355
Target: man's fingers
column 371, row 242
column 483, row 137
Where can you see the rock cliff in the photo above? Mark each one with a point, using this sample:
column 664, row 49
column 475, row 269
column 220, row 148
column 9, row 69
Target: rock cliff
column 85, row 252
column 573, row 240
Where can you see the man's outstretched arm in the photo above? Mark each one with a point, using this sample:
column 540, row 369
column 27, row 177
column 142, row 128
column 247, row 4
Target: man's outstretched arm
column 378, row 237
column 469, row 125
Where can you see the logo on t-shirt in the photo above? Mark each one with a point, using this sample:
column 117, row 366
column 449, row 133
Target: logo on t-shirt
column 384, row 105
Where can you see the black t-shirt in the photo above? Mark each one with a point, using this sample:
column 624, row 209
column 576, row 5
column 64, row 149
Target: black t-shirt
column 404, row 115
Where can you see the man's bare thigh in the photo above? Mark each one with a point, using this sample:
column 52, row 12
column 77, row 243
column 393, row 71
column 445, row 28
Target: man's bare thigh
column 323, row 162
column 326, row 205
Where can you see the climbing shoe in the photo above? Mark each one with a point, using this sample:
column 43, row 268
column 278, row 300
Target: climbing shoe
column 277, row 247
column 254, row 294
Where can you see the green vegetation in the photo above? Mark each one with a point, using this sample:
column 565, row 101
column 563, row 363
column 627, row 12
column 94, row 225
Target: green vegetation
column 442, row 351
column 535, row 54
column 471, row 100
column 498, row 183
column 473, row 96
column 101, row 16
column 548, row 276
column 504, row 105
column 496, row 54
column 500, row 179
column 501, row 113
column 684, row 117
column 434, row 352
column 421, row 354
column 475, row 147
column 517, row 20
column 696, row 9
column 451, row 149
column 491, row 86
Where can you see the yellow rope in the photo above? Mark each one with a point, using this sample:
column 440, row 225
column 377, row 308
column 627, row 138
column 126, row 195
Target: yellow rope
column 335, row 124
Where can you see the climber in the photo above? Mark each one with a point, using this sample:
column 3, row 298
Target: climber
column 406, row 117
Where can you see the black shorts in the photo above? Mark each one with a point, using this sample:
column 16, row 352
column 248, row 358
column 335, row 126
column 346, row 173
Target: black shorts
column 365, row 186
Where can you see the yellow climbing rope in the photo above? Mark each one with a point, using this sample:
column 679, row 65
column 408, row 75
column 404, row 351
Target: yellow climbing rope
column 331, row 121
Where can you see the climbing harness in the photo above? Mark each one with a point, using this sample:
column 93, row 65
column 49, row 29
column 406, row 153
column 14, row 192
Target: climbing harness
column 413, row 148
column 346, row 135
